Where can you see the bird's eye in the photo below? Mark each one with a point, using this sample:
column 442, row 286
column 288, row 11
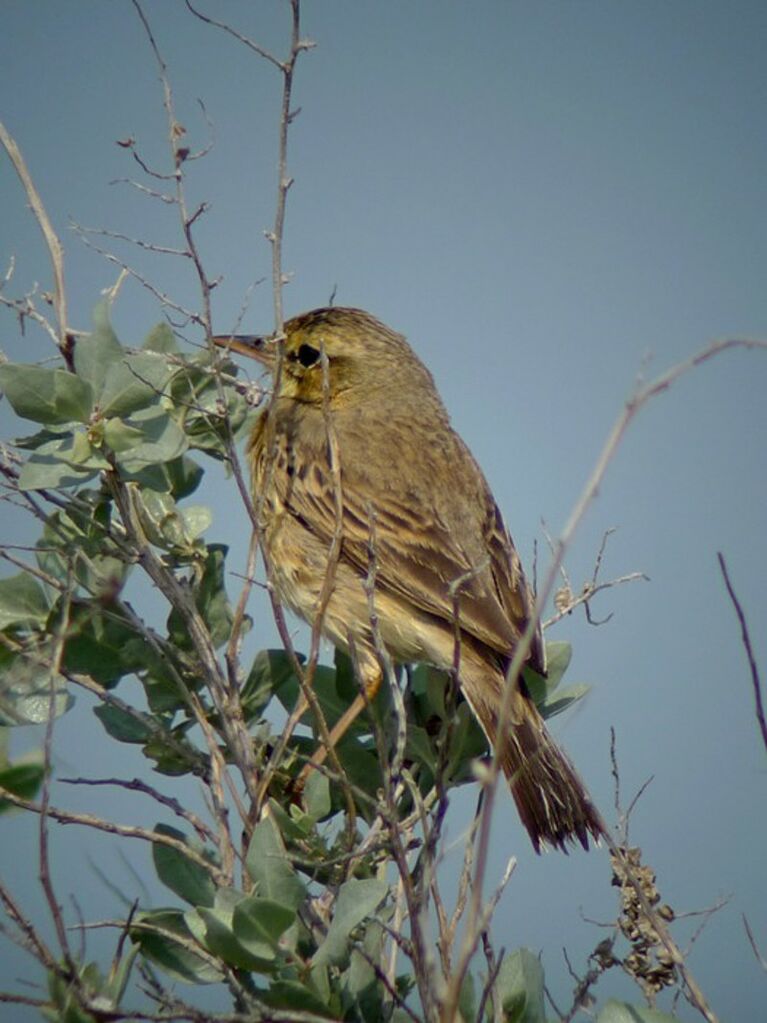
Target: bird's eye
column 307, row 356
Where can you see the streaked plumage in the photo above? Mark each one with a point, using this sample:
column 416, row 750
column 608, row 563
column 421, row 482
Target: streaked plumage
column 404, row 468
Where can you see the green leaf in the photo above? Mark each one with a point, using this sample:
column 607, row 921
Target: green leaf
column 363, row 769
column 270, row 670
column 558, row 656
column 293, row 824
column 148, row 477
column 334, row 694
column 519, row 986
column 187, row 879
column 171, row 527
column 317, row 795
column 160, row 339
column 27, row 686
column 68, row 1007
column 102, row 323
column 420, row 746
column 359, row 981
column 97, row 352
column 137, row 381
column 164, row 693
column 197, row 518
column 45, row 472
column 289, row 994
column 563, row 699
column 49, row 396
column 259, row 924
column 162, row 441
column 356, row 900
column 23, row 602
column 63, row 461
column 436, row 690
column 184, row 476
column 154, row 933
column 467, row 998
column 75, row 449
column 120, row 436
column 78, row 537
column 213, row 929
column 160, row 519
column 100, row 644
column 211, row 599
column 177, row 759
column 622, row 1012
column 40, row 439
column 23, row 778
column 122, row 725
column 267, row 864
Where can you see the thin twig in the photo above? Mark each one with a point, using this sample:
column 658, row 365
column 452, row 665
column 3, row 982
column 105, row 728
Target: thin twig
column 125, row 830
column 44, row 810
column 136, row 785
column 755, row 679
column 755, row 948
column 55, row 249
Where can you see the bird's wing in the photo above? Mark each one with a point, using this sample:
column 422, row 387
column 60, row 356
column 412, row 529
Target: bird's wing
column 416, row 554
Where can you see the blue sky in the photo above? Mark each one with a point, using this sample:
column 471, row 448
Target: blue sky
column 550, row 200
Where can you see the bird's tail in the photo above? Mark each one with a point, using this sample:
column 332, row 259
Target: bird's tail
column 552, row 801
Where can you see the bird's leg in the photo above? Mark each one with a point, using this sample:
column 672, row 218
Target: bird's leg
column 370, row 688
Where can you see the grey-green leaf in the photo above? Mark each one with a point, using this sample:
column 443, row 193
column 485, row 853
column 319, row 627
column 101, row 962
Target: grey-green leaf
column 558, row 657
column 269, row 867
column 122, row 725
column 163, row 440
column 160, row 339
column 520, row 987
column 357, row 899
column 562, row 700
column 270, row 670
column 22, row 602
column 259, row 924
column 94, row 355
column 155, row 933
column 133, row 383
column 212, row 928
column 23, row 778
column 29, row 688
column 50, row 396
column 317, row 795
column 44, row 472
column 622, row 1012
column 289, row 994
column 187, row 879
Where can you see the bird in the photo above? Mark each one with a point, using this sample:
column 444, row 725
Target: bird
column 355, row 462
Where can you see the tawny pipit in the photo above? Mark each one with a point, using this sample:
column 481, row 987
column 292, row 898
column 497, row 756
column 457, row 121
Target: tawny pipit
column 405, row 479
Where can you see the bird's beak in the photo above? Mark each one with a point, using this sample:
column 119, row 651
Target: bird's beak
column 263, row 349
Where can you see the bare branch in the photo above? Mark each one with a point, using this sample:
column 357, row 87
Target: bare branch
column 755, row 948
column 755, row 679
column 125, row 830
column 136, row 785
column 103, row 232
column 30, row 939
column 55, row 249
column 566, row 601
column 46, row 882
column 250, row 43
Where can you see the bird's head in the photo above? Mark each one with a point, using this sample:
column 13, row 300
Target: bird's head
column 344, row 353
